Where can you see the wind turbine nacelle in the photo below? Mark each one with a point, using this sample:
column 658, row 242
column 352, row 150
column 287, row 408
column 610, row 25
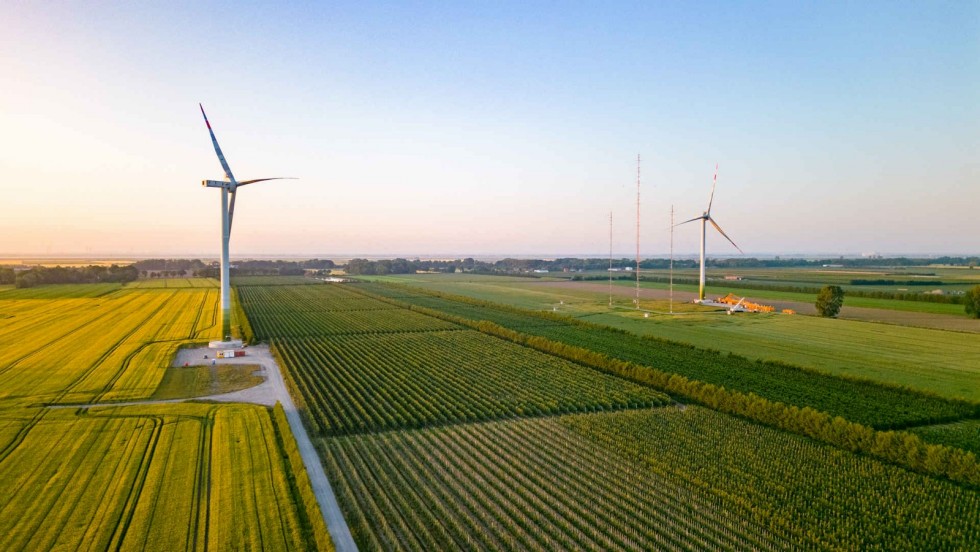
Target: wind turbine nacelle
column 215, row 184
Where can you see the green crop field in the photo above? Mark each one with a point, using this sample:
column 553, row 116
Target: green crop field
column 453, row 437
column 857, row 400
column 137, row 477
column 161, row 477
column 964, row 434
column 391, row 368
column 173, row 283
column 242, row 281
column 943, row 362
column 365, row 383
column 638, row 480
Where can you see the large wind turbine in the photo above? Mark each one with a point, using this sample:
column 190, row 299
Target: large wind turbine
column 705, row 218
column 229, row 186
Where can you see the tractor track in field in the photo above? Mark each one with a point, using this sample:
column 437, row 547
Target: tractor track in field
column 268, row 393
column 81, row 326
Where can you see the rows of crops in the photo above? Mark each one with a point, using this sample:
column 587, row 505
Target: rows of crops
column 301, row 311
column 636, row 480
column 58, row 291
column 860, row 401
column 168, row 283
column 844, row 500
column 261, row 300
column 611, row 476
column 242, row 281
column 964, row 434
column 163, row 477
column 362, row 383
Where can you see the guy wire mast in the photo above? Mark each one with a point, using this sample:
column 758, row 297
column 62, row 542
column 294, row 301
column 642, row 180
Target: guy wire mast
column 671, row 259
column 610, row 259
column 637, row 300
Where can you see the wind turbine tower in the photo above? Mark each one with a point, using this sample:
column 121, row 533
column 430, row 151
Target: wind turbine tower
column 705, row 218
column 229, row 187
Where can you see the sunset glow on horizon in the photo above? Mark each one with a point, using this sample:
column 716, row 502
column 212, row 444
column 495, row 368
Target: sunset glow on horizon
column 494, row 129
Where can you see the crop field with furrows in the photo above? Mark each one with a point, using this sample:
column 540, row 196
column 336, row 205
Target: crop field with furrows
column 288, row 299
column 860, row 401
column 666, row 479
column 303, row 311
column 57, row 291
column 174, row 283
column 304, row 324
column 103, row 348
column 155, row 477
column 143, row 477
column 243, row 281
column 964, row 434
column 352, row 384
column 888, row 353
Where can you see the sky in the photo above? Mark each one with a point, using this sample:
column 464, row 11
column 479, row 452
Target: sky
column 491, row 128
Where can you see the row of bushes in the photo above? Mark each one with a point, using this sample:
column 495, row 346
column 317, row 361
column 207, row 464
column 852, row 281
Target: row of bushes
column 901, row 448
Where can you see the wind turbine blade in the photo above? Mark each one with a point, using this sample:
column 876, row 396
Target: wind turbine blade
column 231, row 211
column 264, row 179
column 217, row 148
column 687, row 221
column 714, row 182
column 718, row 228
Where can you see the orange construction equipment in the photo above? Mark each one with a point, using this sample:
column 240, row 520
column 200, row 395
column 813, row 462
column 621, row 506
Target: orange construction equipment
column 732, row 299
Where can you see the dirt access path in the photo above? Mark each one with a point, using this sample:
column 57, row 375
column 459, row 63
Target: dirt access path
column 887, row 316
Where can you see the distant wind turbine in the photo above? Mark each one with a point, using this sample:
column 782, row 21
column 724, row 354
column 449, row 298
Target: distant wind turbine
column 228, row 186
column 706, row 218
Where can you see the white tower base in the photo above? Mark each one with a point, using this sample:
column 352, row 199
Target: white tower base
column 231, row 344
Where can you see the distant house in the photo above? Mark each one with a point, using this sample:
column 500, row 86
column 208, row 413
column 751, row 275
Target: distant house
column 540, row 271
column 730, row 277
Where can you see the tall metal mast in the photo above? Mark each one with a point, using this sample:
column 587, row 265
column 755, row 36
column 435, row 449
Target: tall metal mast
column 671, row 259
column 637, row 231
column 610, row 259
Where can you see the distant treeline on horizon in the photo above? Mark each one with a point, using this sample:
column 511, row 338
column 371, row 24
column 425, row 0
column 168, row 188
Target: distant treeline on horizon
column 154, row 268
column 516, row 266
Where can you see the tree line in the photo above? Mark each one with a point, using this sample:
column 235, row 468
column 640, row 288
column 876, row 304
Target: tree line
column 92, row 274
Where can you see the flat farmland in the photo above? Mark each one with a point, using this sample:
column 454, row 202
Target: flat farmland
column 174, row 283
column 938, row 361
column 460, row 438
column 366, row 383
column 176, row 476
column 662, row 478
column 161, row 477
column 864, row 401
column 62, row 348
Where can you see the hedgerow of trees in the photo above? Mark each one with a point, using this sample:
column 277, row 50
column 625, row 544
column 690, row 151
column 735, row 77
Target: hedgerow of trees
column 829, row 301
column 972, row 301
column 75, row 275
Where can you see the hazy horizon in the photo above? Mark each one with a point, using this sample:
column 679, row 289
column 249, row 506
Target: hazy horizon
column 502, row 129
column 489, row 257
